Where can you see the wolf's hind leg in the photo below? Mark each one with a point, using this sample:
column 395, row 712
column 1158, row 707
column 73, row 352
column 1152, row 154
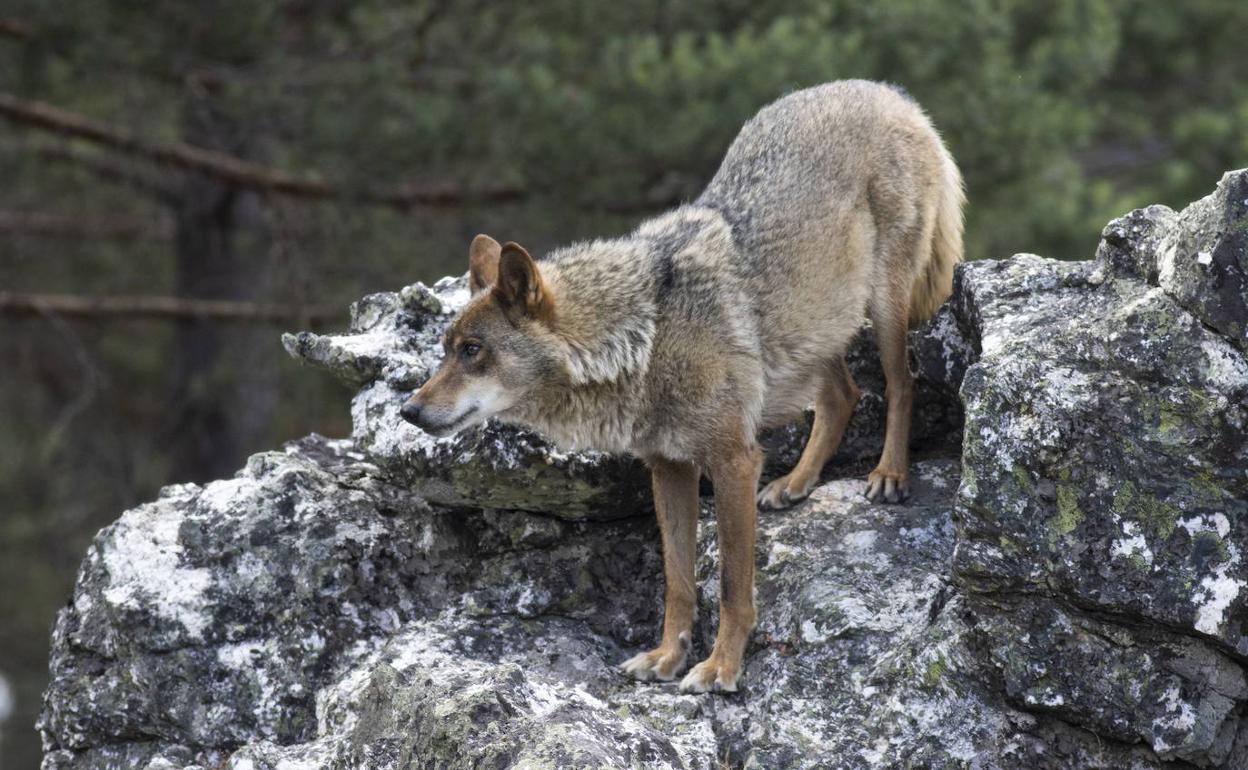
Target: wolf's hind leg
column 676, row 506
column 890, row 481
column 838, row 395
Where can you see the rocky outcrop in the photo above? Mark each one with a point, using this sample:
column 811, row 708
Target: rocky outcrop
column 1068, row 591
column 1104, row 500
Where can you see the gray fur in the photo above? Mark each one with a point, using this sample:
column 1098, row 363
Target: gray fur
column 731, row 308
column 737, row 301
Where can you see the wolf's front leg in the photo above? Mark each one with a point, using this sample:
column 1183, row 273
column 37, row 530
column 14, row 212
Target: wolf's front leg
column 676, row 505
column 735, row 477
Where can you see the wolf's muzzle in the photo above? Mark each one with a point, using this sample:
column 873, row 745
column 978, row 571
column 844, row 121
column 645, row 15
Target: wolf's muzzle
column 410, row 411
column 425, row 420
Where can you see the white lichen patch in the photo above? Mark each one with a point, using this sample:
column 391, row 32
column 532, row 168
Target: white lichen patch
column 222, row 496
column 1166, row 262
column 949, row 720
column 1216, row 592
column 993, row 342
column 376, row 343
column 145, row 570
column 1224, row 367
column 1179, row 718
column 779, row 552
column 241, row 655
column 860, row 546
column 953, row 345
column 1214, row 522
column 813, row 633
column 1131, row 543
column 249, row 568
column 452, row 293
column 314, row 755
column 935, row 474
column 1067, row 388
column 252, row 659
column 995, row 443
column 1047, row 696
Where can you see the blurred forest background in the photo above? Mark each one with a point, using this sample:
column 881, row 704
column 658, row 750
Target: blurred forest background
column 182, row 181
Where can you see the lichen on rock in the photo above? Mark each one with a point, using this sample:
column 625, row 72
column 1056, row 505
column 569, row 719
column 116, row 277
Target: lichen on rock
column 1066, row 590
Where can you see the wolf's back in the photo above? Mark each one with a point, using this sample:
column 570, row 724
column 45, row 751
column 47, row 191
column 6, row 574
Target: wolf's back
column 802, row 171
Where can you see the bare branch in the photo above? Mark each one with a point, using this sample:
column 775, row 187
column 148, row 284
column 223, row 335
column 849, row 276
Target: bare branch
column 234, row 170
column 165, row 308
column 45, row 225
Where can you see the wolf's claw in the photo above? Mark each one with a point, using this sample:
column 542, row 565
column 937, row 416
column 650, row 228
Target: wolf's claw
column 711, row 674
column 783, row 493
column 887, row 487
column 660, row 663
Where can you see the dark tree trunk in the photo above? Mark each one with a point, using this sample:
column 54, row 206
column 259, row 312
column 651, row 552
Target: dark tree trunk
column 223, row 377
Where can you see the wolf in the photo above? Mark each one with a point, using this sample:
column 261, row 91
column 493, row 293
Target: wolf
column 680, row 340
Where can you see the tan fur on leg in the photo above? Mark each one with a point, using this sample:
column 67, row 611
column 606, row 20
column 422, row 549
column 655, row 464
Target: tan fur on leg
column 890, row 481
column 838, row 395
column 676, row 506
column 735, row 477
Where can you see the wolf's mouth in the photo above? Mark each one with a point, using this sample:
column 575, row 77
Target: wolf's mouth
column 447, row 428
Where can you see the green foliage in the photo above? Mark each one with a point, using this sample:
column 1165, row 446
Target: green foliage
column 1061, row 113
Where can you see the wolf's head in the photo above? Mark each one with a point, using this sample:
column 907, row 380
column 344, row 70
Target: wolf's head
column 498, row 351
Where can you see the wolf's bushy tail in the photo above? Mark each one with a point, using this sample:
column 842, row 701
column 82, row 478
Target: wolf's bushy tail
column 934, row 285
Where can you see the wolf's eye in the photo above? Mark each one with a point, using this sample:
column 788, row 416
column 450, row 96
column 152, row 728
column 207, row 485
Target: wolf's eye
column 470, row 349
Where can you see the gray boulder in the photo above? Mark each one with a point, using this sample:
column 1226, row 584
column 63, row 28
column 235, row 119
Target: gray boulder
column 1104, row 499
column 1203, row 262
column 1067, row 591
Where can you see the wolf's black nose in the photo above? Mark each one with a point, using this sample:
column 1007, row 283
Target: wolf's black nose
column 411, row 412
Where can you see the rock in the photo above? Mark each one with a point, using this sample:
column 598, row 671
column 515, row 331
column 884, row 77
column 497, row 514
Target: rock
column 1104, row 499
column 1203, row 262
column 1174, row 694
column 354, row 632
column 213, row 615
column 1067, row 592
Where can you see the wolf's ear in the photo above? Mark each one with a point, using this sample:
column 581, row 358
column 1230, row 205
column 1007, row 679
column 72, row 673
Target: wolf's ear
column 520, row 289
column 483, row 257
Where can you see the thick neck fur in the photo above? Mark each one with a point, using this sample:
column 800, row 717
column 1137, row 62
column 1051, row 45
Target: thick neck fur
column 605, row 315
column 605, row 303
column 608, row 295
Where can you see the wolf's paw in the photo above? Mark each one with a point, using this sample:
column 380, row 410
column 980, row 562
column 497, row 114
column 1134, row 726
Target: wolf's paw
column 887, row 487
column 662, row 663
column 784, row 492
column 712, row 674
